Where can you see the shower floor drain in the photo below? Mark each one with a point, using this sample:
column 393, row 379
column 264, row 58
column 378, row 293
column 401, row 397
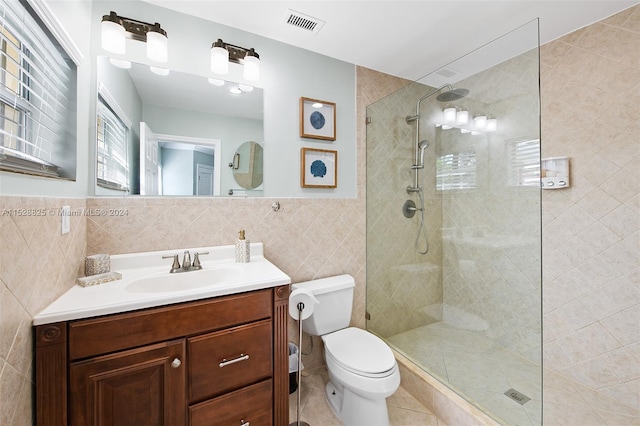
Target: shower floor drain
column 518, row 397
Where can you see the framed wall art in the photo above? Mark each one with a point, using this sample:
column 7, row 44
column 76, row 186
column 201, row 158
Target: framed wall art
column 318, row 168
column 317, row 119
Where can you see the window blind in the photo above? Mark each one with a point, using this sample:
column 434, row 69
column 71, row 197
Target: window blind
column 37, row 94
column 524, row 162
column 456, row 171
column 113, row 165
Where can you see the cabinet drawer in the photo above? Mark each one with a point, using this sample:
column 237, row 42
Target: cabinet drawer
column 229, row 359
column 122, row 331
column 250, row 406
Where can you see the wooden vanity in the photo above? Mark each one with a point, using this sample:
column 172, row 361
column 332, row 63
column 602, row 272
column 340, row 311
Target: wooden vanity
column 220, row 360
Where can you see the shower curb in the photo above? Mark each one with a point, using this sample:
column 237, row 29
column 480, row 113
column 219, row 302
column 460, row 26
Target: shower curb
column 438, row 398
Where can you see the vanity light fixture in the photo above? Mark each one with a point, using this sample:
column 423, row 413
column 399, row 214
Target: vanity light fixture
column 452, row 117
column 116, row 29
column 222, row 53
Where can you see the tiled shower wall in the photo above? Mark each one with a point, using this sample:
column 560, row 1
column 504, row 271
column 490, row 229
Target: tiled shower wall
column 591, row 231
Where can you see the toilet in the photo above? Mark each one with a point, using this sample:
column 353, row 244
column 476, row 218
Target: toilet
column 362, row 369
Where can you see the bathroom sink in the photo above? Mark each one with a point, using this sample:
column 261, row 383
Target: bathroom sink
column 164, row 282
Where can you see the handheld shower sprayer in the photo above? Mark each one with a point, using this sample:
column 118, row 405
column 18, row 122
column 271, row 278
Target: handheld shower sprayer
column 422, row 145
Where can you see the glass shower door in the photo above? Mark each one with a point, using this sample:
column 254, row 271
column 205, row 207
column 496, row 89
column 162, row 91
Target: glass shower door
column 469, row 310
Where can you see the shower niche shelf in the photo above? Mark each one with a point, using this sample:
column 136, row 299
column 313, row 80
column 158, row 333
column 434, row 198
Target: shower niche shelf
column 554, row 173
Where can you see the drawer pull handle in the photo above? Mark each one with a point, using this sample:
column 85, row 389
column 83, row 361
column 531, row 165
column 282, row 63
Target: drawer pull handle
column 224, row 362
column 243, row 423
column 176, row 363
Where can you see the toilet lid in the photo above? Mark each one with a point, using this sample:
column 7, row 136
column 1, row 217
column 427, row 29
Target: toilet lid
column 359, row 351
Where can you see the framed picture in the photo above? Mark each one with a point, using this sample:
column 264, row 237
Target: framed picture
column 317, row 119
column 318, row 168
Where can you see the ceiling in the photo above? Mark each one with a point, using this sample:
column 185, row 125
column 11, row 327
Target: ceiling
column 403, row 38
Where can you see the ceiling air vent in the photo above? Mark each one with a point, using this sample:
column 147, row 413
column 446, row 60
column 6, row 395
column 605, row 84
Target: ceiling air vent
column 302, row 21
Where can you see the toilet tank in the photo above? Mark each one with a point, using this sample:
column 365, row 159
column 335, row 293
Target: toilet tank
column 335, row 297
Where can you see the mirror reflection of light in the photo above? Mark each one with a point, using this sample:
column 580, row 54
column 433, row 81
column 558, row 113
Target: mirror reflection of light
column 245, row 87
column 215, row 81
column 235, row 90
column 120, row 63
column 317, row 105
column 160, row 71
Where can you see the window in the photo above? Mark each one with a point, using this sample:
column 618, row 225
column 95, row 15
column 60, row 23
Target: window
column 524, row 162
column 456, row 171
column 113, row 164
column 37, row 96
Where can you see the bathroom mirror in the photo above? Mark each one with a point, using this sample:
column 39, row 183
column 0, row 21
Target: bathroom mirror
column 185, row 113
column 247, row 165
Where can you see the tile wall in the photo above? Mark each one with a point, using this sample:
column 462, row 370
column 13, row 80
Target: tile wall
column 37, row 264
column 591, row 231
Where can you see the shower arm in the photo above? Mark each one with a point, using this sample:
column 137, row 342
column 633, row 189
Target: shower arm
column 416, row 118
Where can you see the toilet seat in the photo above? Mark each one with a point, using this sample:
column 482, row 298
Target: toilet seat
column 360, row 352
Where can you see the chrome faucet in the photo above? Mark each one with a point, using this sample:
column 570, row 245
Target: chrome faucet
column 186, row 262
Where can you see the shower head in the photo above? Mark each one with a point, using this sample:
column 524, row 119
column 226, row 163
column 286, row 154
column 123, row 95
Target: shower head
column 424, row 144
column 452, row 95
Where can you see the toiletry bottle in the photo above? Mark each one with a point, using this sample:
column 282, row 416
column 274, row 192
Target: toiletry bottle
column 242, row 249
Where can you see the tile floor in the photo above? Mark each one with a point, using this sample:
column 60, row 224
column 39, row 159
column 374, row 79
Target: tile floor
column 404, row 409
column 482, row 371
column 479, row 369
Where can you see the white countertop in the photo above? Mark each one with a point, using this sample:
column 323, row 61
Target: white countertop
column 114, row 297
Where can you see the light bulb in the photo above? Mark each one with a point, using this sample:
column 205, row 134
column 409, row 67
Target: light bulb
column 449, row 115
column 251, row 67
column 480, row 122
column 462, row 117
column 219, row 58
column 113, row 34
column 157, row 44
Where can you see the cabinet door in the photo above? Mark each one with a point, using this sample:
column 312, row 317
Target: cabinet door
column 143, row 386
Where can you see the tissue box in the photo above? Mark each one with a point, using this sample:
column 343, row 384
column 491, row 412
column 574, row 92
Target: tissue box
column 97, row 264
column 98, row 279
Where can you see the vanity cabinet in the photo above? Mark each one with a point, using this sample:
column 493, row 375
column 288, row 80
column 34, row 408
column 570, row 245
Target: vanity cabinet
column 222, row 361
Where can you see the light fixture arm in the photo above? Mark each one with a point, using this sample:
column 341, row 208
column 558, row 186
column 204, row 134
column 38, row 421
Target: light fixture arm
column 134, row 29
column 236, row 53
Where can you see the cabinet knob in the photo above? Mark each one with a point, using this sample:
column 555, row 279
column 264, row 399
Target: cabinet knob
column 244, row 423
column 176, row 363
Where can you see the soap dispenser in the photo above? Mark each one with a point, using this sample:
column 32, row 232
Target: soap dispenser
column 242, row 248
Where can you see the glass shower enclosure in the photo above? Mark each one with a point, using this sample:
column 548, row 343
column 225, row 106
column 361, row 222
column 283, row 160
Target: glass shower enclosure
column 454, row 226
